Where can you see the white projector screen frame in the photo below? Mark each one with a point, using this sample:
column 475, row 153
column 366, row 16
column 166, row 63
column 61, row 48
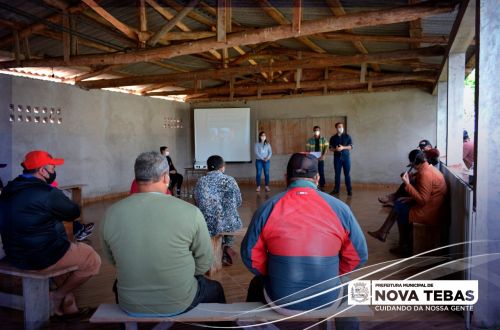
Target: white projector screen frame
column 224, row 132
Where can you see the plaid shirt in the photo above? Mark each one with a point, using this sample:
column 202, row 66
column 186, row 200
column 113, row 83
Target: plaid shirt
column 311, row 145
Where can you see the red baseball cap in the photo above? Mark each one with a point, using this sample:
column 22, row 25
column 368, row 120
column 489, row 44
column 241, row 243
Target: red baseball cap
column 39, row 158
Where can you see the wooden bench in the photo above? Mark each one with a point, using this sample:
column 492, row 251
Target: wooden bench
column 253, row 312
column 217, row 249
column 35, row 300
column 425, row 237
column 76, row 196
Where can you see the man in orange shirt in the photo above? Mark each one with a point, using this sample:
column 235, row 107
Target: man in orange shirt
column 425, row 204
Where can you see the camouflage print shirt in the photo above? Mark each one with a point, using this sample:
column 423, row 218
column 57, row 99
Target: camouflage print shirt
column 218, row 196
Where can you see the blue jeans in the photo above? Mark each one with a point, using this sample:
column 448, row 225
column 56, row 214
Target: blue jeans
column 259, row 165
column 338, row 164
column 321, row 172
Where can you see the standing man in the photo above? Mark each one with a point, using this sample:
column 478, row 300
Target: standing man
column 318, row 144
column 299, row 252
column 341, row 145
column 159, row 245
column 176, row 178
column 31, row 223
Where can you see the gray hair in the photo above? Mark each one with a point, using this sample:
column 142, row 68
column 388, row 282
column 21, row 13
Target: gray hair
column 150, row 166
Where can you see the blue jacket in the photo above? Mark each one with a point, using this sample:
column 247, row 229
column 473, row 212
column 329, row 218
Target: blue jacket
column 31, row 215
column 300, row 238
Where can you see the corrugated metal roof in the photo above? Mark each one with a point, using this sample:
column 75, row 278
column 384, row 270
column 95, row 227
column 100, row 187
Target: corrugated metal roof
column 246, row 13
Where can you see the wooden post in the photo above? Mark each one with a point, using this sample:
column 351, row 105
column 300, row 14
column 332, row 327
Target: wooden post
column 362, row 77
column 36, row 302
column 66, row 36
column 221, row 20
column 297, row 15
column 17, row 48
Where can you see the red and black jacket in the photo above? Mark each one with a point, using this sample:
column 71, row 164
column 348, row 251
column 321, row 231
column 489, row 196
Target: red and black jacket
column 300, row 241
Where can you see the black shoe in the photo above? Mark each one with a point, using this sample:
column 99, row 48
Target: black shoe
column 334, row 192
column 349, row 193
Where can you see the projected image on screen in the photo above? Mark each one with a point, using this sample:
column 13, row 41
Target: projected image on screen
column 224, row 132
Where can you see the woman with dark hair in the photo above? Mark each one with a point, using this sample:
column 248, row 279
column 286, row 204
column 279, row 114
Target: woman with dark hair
column 263, row 153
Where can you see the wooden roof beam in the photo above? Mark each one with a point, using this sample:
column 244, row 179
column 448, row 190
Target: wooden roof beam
column 172, row 23
column 111, row 19
column 169, row 16
column 380, row 78
column 338, row 10
column 360, row 19
column 33, row 28
column 343, row 90
column 342, row 36
column 281, row 19
column 307, row 62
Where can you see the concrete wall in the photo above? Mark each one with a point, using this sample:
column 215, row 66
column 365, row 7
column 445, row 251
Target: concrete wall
column 101, row 135
column 5, row 127
column 384, row 127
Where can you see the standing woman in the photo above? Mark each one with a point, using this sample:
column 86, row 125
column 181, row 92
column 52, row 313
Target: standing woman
column 263, row 153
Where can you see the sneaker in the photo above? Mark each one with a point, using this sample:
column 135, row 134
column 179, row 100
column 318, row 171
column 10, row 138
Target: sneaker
column 83, row 236
column 349, row 193
column 258, row 189
column 334, row 192
column 88, row 226
column 268, row 189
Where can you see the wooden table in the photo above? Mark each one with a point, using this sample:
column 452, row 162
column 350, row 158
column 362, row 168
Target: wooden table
column 76, row 196
column 191, row 177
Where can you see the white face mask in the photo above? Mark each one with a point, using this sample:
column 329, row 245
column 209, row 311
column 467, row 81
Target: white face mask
column 340, row 130
column 262, row 138
column 316, row 133
column 167, row 153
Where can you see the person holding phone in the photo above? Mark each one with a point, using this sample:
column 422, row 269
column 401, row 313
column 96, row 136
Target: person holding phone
column 341, row 145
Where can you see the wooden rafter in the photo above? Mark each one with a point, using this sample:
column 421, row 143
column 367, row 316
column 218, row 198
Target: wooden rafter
column 96, row 72
column 172, row 23
column 168, row 15
column 34, row 28
column 415, row 28
column 111, row 19
column 307, row 62
column 192, row 14
column 334, row 83
column 340, row 90
column 221, row 20
column 143, row 22
column 281, row 19
column 338, row 10
column 342, row 36
column 376, row 17
column 297, row 15
column 66, row 36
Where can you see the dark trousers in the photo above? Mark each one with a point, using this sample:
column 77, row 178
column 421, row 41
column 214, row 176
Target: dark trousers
column 176, row 180
column 255, row 293
column 340, row 163
column 321, row 171
column 208, row 292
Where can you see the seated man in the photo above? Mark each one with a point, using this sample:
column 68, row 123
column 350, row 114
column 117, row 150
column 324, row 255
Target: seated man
column 424, row 204
column 176, row 178
column 33, row 235
column 160, row 246
column 301, row 239
column 218, row 197
column 432, row 155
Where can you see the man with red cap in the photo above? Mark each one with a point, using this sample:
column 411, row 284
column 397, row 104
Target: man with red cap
column 33, row 235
